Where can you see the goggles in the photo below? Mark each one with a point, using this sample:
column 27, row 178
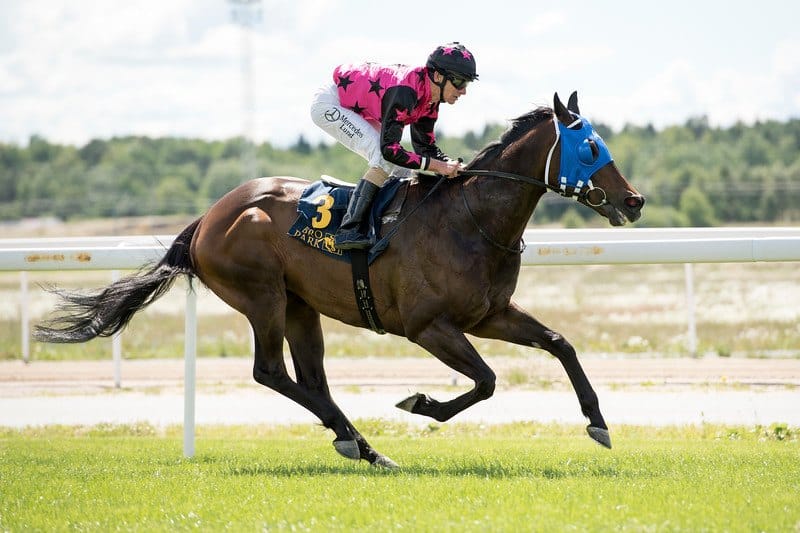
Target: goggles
column 457, row 81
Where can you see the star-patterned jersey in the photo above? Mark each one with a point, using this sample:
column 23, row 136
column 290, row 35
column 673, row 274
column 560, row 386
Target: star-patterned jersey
column 393, row 97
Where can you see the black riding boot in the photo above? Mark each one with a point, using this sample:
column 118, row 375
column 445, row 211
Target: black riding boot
column 352, row 232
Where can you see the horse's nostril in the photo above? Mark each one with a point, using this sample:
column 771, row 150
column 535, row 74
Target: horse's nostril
column 634, row 202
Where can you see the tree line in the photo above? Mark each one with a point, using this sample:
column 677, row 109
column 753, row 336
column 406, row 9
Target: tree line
column 692, row 174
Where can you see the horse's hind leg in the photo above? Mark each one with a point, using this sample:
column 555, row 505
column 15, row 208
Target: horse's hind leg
column 269, row 368
column 304, row 335
column 237, row 261
column 515, row 325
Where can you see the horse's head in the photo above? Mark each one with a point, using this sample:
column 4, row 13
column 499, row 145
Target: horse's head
column 587, row 169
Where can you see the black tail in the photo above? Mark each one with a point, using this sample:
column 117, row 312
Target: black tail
column 82, row 317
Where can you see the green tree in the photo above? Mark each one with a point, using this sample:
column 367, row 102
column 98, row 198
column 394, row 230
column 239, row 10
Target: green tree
column 697, row 208
column 222, row 176
column 301, row 146
column 173, row 196
column 571, row 219
column 691, row 173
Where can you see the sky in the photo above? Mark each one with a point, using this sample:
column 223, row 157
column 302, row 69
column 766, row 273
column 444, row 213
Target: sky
column 74, row 71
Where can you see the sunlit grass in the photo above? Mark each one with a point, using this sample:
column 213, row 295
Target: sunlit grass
column 516, row 477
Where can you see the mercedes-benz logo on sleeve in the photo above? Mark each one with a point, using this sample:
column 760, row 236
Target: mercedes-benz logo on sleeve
column 332, row 114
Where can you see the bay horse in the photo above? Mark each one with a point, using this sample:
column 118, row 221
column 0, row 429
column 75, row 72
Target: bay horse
column 450, row 269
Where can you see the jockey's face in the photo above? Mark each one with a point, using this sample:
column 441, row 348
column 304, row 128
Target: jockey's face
column 451, row 94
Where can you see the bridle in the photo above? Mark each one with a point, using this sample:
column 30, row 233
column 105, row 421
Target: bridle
column 579, row 190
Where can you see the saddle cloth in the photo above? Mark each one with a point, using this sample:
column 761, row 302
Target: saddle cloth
column 322, row 206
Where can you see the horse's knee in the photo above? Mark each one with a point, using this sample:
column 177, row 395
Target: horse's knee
column 557, row 345
column 484, row 387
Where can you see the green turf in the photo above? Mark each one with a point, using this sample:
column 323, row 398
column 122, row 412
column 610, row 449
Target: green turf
column 517, row 477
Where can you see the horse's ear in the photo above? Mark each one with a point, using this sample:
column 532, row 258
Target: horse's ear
column 561, row 112
column 572, row 104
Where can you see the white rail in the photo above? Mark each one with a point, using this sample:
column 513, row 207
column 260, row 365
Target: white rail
column 82, row 253
column 660, row 246
column 544, row 247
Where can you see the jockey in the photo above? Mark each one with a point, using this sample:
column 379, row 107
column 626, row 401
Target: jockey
column 366, row 108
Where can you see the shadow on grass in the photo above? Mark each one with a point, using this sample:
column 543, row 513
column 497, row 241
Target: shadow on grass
column 469, row 470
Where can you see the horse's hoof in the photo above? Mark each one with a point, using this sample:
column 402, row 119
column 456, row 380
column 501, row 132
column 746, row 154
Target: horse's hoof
column 347, row 448
column 384, row 462
column 409, row 403
column 599, row 435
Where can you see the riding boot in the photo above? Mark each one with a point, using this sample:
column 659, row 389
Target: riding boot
column 352, row 233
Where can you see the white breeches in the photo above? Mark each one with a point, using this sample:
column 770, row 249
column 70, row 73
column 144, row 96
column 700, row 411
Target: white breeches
column 351, row 129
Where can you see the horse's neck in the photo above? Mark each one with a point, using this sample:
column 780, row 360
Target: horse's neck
column 503, row 207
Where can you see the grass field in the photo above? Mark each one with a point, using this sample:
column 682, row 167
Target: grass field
column 743, row 310
column 519, row 477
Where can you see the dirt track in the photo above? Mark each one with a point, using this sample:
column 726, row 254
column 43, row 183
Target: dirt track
column 642, row 392
column 43, row 377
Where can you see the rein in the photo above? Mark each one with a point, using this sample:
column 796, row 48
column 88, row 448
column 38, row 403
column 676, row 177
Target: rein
column 384, row 241
column 518, row 250
column 580, row 192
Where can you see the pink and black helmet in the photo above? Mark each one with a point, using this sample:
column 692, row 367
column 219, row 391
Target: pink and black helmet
column 453, row 59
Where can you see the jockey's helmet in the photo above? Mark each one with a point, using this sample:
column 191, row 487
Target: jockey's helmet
column 453, row 59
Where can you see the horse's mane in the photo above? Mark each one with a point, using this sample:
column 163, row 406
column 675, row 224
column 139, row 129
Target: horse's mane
column 519, row 127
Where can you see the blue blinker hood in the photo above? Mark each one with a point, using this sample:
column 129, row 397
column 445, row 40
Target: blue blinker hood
column 579, row 161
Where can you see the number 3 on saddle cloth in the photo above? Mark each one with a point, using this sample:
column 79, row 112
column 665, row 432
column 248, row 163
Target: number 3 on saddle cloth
column 322, row 206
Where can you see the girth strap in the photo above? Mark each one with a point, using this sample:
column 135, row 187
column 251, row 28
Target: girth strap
column 363, row 291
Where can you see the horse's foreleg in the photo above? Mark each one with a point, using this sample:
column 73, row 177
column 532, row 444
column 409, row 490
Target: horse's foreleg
column 451, row 347
column 304, row 335
column 517, row 326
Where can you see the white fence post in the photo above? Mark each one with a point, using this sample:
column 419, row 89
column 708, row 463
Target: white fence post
column 252, row 338
column 189, row 377
column 24, row 317
column 116, row 345
column 691, row 331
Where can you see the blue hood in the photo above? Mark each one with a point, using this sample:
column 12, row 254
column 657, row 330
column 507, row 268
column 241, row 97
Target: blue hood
column 578, row 162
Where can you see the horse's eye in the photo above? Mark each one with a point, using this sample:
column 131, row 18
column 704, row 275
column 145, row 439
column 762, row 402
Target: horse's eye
column 595, row 150
column 588, row 152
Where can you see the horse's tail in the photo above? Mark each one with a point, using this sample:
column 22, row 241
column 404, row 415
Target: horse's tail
column 82, row 316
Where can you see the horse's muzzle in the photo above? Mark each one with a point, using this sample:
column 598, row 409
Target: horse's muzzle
column 633, row 207
column 634, row 202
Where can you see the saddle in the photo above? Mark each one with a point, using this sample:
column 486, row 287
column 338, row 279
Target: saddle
column 322, row 206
